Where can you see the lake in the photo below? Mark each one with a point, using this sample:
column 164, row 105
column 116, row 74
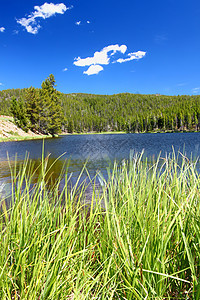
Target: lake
column 99, row 150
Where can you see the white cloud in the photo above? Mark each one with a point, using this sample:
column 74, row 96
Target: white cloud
column 2, row 29
column 44, row 11
column 159, row 38
column 93, row 69
column 181, row 84
column 80, row 22
column 1, row 83
column 196, row 90
column 15, row 31
column 100, row 57
column 104, row 57
column 132, row 56
column 65, row 69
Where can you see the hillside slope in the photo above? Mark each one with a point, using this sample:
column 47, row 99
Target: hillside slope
column 9, row 131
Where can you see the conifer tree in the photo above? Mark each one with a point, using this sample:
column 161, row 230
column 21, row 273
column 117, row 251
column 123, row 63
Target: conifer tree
column 33, row 108
column 40, row 110
column 51, row 113
column 18, row 109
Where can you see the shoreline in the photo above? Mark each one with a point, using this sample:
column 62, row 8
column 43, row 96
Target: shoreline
column 23, row 138
column 38, row 137
column 124, row 132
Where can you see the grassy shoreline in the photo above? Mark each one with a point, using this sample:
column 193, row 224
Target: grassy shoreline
column 92, row 132
column 145, row 244
column 23, row 138
column 124, row 132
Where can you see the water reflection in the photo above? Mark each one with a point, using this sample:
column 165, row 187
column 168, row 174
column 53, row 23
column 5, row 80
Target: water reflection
column 98, row 152
column 58, row 172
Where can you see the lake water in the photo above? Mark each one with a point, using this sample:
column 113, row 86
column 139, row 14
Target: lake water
column 100, row 150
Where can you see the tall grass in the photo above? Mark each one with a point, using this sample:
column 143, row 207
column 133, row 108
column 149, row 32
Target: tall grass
column 145, row 243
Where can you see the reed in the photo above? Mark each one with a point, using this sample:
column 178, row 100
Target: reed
column 145, row 243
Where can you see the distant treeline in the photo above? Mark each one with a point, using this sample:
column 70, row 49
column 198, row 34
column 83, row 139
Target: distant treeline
column 120, row 112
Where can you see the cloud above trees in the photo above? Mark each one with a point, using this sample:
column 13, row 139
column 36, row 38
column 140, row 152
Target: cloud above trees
column 47, row 10
column 105, row 57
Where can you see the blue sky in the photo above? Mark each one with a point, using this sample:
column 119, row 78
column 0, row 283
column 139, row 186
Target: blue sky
column 102, row 47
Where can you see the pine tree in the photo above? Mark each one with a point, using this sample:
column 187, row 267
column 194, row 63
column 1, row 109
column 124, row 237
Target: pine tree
column 18, row 110
column 51, row 113
column 40, row 110
column 33, row 108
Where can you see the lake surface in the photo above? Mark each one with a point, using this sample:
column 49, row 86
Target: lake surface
column 99, row 150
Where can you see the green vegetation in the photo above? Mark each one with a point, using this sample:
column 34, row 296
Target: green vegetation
column 145, row 244
column 39, row 110
column 97, row 113
column 18, row 110
column 131, row 113
column 6, row 118
column 16, row 137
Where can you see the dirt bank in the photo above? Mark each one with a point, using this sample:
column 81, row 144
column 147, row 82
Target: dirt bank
column 10, row 132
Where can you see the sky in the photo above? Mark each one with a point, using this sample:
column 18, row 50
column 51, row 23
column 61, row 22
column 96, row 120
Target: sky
column 102, row 47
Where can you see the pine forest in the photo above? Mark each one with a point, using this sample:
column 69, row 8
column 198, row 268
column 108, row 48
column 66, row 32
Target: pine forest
column 46, row 110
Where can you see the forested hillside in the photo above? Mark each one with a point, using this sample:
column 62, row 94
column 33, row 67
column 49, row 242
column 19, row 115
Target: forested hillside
column 121, row 112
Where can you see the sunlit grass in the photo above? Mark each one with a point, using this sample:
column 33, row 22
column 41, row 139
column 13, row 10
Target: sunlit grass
column 16, row 137
column 145, row 243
